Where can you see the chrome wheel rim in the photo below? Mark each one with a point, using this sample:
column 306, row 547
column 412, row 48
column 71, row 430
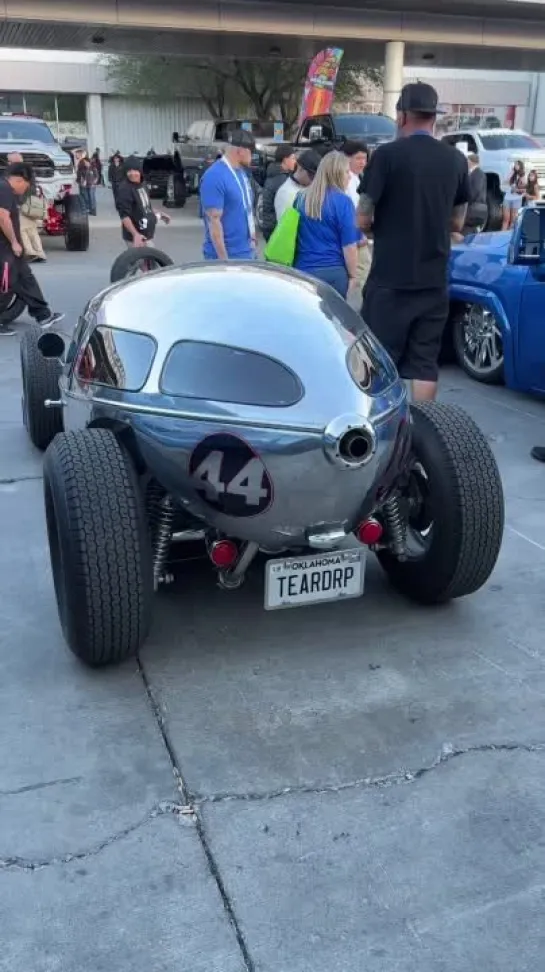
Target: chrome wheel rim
column 482, row 341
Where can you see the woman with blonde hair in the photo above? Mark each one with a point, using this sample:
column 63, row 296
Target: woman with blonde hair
column 327, row 235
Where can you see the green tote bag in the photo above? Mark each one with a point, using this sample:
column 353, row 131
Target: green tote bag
column 283, row 241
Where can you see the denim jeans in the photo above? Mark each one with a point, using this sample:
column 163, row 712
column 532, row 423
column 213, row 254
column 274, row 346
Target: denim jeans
column 89, row 199
column 336, row 277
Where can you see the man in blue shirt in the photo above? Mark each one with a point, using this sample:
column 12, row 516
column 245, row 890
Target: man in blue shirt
column 227, row 203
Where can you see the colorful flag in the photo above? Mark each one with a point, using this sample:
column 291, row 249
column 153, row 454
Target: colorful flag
column 320, row 83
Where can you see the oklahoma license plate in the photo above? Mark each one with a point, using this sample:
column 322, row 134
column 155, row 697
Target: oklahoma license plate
column 314, row 578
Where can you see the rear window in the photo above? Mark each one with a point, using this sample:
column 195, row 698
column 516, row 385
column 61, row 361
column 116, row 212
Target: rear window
column 117, row 359
column 500, row 141
column 220, row 373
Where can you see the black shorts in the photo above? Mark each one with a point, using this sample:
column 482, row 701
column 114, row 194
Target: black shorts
column 410, row 325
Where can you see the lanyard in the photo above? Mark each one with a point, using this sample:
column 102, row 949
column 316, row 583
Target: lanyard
column 245, row 192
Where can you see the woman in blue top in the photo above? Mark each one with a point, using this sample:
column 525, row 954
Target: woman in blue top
column 327, row 237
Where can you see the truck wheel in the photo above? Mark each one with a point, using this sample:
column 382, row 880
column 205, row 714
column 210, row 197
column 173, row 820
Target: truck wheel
column 40, row 378
column 76, row 224
column 138, row 260
column 455, row 509
column 478, row 344
column 11, row 307
column 495, row 213
column 176, row 195
column 99, row 545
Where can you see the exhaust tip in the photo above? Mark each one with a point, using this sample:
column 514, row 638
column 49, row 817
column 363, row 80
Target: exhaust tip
column 350, row 443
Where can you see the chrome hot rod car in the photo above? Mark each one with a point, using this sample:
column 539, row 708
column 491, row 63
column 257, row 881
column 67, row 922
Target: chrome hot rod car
column 238, row 404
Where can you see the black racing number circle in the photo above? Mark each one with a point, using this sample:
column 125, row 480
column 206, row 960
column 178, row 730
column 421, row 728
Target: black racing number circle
column 229, row 476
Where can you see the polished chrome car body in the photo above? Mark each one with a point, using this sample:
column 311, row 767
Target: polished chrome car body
column 319, row 414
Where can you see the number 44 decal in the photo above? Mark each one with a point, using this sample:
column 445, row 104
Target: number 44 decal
column 247, row 483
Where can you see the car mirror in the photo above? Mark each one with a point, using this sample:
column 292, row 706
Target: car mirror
column 315, row 133
column 527, row 248
column 463, row 147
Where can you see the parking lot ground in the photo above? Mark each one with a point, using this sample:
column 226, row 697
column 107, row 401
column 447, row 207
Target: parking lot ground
column 354, row 787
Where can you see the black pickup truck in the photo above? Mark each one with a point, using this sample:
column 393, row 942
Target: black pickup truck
column 325, row 132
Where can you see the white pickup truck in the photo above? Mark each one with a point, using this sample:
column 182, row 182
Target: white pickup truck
column 498, row 150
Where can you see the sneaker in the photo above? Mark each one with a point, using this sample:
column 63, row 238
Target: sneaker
column 6, row 330
column 538, row 452
column 53, row 318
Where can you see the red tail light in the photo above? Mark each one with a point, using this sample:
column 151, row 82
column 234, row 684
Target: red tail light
column 224, row 554
column 369, row 532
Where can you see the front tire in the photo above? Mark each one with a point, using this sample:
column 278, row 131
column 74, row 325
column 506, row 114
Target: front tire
column 40, row 377
column 137, row 260
column 76, row 224
column 99, row 545
column 478, row 344
column 454, row 537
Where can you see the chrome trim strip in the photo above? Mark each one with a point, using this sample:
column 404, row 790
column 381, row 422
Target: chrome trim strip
column 218, row 419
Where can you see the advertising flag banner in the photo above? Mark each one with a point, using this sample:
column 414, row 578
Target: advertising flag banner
column 320, row 83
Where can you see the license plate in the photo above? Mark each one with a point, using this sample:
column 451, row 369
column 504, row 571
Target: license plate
column 314, row 578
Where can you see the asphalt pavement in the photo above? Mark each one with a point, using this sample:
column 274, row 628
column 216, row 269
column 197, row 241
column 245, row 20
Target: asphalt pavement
column 345, row 788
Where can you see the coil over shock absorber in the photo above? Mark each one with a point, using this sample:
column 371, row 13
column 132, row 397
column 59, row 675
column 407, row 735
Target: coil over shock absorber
column 396, row 527
column 161, row 520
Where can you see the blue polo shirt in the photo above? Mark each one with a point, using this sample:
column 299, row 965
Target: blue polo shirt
column 320, row 242
column 227, row 189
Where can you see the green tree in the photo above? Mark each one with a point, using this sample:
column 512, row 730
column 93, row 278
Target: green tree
column 231, row 86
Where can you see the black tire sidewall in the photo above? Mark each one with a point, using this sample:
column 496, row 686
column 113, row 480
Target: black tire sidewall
column 76, row 229
column 40, row 380
column 126, row 260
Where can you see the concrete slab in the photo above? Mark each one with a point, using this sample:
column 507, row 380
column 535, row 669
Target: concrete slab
column 144, row 903
column 82, row 757
column 439, row 874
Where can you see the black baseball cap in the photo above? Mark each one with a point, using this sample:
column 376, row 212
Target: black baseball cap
column 419, row 97
column 309, row 160
column 240, row 138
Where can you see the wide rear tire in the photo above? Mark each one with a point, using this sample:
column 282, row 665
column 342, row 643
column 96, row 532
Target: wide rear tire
column 99, row 544
column 126, row 263
column 40, row 377
column 464, row 504
column 76, row 224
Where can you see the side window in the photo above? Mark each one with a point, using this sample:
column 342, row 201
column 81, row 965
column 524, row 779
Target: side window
column 471, row 144
column 450, row 139
column 115, row 358
column 220, row 373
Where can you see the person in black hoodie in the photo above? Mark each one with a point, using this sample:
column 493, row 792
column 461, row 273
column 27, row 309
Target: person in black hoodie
column 138, row 219
column 278, row 171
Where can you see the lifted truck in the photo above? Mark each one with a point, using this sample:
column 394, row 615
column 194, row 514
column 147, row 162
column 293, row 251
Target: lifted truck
column 54, row 174
column 326, row 132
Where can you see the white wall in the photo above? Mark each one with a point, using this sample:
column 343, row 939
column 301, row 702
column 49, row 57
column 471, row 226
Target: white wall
column 136, row 126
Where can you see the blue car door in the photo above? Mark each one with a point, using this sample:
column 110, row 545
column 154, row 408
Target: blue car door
column 530, row 334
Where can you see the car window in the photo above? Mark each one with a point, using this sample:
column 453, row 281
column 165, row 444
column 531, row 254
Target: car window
column 20, row 130
column 499, row 141
column 220, row 373
column 116, row 358
column 360, row 126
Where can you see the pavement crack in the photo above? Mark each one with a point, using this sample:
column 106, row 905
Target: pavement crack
column 38, row 864
column 19, row 479
column 31, row 787
column 447, row 754
column 191, row 810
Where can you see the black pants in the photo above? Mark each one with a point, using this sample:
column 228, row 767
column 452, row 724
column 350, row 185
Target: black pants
column 410, row 325
column 23, row 283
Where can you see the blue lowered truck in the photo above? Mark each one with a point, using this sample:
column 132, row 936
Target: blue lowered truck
column 497, row 292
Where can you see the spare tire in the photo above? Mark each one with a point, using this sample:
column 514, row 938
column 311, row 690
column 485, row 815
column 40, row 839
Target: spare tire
column 137, row 260
column 40, row 378
column 76, row 224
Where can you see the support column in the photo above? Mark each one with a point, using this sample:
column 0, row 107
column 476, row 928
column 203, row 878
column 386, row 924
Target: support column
column 95, row 124
column 393, row 76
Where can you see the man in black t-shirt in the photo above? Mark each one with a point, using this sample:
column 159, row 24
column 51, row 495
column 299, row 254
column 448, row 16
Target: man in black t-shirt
column 414, row 195
column 16, row 277
column 138, row 219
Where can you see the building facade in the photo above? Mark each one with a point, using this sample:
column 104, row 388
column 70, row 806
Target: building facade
column 73, row 93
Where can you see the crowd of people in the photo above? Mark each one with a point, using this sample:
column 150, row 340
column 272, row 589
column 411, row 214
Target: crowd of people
column 378, row 229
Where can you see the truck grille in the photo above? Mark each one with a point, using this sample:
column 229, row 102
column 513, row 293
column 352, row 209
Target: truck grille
column 42, row 165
